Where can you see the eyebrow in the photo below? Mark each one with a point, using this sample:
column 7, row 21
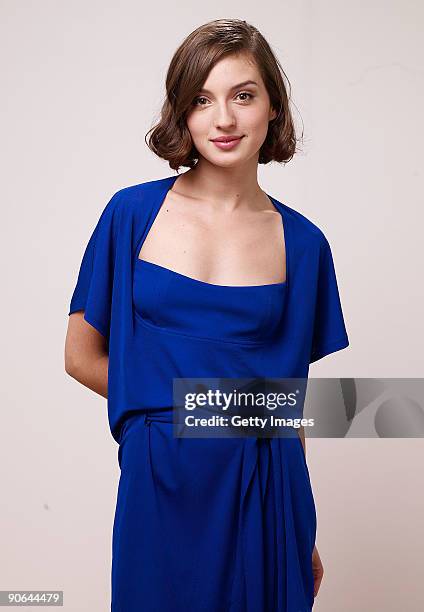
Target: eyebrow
column 243, row 84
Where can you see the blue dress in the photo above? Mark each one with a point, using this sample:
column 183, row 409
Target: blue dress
column 211, row 524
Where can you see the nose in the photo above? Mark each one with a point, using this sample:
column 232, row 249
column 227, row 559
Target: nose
column 224, row 117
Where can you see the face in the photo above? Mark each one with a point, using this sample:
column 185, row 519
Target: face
column 228, row 105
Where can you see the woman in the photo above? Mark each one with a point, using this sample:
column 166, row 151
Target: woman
column 197, row 275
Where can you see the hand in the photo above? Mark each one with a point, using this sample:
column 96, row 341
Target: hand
column 317, row 569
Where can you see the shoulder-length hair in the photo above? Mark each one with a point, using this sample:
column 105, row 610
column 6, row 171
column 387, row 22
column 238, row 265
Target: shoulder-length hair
column 170, row 138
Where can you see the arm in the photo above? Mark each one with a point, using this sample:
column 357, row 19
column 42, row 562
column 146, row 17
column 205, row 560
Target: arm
column 86, row 354
column 317, row 567
column 302, row 438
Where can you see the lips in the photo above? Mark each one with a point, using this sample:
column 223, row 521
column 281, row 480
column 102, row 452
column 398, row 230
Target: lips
column 226, row 138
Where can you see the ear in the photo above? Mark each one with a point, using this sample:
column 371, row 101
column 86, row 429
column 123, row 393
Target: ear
column 272, row 114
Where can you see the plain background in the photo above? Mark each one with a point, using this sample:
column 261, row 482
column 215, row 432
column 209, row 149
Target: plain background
column 82, row 84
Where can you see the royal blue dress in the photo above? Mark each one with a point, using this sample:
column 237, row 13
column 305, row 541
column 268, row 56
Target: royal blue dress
column 210, row 524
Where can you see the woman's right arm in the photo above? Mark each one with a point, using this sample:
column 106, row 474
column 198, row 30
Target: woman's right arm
column 86, row 354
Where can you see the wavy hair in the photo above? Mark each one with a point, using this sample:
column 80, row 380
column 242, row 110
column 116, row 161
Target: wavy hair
column 170, row 138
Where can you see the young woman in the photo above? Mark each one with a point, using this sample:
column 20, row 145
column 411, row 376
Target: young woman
column 203, row 274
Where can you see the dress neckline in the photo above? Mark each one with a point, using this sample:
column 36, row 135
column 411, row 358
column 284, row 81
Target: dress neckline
column 166, row 185
column 190, row 279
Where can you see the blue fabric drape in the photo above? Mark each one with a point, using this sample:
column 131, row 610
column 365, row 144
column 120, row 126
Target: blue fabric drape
column 212, row 525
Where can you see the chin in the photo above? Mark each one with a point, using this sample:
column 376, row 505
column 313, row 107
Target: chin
column 227, row 163
column 225, row 158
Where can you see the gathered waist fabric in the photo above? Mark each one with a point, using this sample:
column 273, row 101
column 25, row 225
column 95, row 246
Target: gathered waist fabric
column 272, row 522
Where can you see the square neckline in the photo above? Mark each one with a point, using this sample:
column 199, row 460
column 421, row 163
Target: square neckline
column 197, row 281
column 169, row 182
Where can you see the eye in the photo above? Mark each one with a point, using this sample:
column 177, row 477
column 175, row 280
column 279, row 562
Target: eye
column 198, row 98
column 246, row 93
column 241, row 93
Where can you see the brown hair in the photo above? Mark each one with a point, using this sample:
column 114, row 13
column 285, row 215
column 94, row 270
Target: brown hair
column 170, row 138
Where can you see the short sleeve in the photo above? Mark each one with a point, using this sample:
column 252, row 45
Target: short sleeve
column 93, row 290
column 329, row 331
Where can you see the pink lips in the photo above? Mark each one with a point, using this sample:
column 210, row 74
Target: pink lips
column 229, row 144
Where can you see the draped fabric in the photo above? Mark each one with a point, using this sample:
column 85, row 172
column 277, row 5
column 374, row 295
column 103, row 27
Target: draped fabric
column 312, row 326
column 217, row 525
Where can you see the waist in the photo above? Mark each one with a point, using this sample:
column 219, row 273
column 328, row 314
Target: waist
column 164, row 415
